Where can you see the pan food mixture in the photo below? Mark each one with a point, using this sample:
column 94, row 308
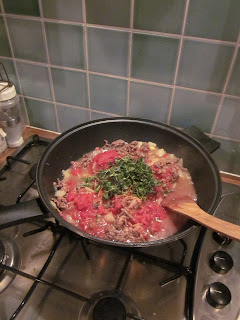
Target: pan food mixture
column 115, row 192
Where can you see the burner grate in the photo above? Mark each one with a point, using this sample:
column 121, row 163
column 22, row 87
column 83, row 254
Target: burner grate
column 18, row 168
column 177, row 268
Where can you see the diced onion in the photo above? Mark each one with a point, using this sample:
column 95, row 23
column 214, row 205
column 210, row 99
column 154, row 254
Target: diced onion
column 180, row 173
column 66, row 174
column 69, row 218
column 172, row 156
column 89, row 190
column 60, row 193
column 152, row 145
column 109, row 217
column 54, row 204
column 160, row 152
column 180, row 162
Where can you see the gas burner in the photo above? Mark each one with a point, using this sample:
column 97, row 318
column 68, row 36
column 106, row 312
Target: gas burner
column 108, row 309
column 109, row 305
column 9, row 256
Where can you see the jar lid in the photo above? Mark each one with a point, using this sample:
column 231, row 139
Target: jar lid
column 8, row 93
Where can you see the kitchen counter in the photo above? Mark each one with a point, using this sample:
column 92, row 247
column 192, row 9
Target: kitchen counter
column 30, row 131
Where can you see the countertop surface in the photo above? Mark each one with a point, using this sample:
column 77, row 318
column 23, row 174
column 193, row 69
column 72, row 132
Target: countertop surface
column 30, row 131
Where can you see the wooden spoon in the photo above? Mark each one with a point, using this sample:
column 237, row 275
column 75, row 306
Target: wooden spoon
column 189, row 208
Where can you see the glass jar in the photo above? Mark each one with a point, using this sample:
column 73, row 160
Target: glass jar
column 10, row 119
column 3, row 142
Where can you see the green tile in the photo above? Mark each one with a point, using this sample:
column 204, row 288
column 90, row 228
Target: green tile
column 227, row 156
column 154, row 58
column 109, row 12
column 215, row 19
column 65, row 45
column 9, row 66
column 204, row 65
column 4, row 44
column 70, row 10
column 27, row 39
column 194, row 108
column 70, row 87
column 23, row 113
column 234, row 83
column 23, row 7
column 229, row 119
column 41, row 114
column 34, row 81
column 116, row 98
column 108, row 51
column 69, row 117
column 149, row 101
column 164, row 15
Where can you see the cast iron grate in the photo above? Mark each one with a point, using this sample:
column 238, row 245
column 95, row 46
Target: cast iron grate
column 178, row 268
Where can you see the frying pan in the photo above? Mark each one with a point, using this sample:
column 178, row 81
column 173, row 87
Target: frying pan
column 72, row 144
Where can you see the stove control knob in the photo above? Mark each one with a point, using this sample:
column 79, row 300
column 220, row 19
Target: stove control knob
column 218, row 295
column 221, row 262
column 221, row 239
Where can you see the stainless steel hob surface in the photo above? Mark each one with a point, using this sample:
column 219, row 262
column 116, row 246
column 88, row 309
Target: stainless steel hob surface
column 217, row 283
column 51, row 273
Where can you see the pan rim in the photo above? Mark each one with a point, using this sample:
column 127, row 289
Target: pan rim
column 171, row 129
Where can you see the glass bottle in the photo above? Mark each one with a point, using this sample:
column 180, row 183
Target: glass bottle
column 10, row 119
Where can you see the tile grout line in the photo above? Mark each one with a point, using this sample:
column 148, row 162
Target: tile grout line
column 43, row 64
column 207, row 40
column 226, row 95
column 115, row 28
column 225, row 85
column 70, row 105
column 48, row 64
column 14, row 62
column 114, row 114
column 84, row 12
column 86, row 109
column 130, row 42
column 178, row 61
column 31, row 126
column 159, row 84
column 225, row 138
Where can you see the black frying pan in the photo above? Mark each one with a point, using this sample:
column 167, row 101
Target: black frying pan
column 72, row 144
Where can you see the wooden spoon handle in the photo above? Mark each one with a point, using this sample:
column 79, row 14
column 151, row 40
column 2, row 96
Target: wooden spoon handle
column 190, row 209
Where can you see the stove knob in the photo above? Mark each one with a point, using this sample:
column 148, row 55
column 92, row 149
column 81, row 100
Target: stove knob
column 221, row 262
column 218, row 295
column 221, row 239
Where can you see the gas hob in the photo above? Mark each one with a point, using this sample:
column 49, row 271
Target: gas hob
column 47, row 272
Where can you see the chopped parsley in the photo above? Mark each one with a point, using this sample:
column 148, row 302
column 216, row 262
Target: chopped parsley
column 124, row 175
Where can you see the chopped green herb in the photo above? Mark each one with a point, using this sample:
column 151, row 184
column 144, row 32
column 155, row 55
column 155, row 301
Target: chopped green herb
column 125, row 174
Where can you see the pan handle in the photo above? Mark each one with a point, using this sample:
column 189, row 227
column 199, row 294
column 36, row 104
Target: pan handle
column 210, row 144
column 22, row 212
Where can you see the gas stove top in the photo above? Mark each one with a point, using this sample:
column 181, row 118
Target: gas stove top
column 47, row 272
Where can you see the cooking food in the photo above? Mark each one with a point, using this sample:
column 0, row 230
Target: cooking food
column 115, row 192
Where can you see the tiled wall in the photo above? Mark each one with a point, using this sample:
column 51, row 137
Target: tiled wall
column 174, row 61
